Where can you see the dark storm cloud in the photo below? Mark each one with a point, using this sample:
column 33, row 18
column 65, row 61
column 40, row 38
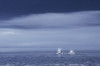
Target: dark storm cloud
column 10, row 8
column 53, row 20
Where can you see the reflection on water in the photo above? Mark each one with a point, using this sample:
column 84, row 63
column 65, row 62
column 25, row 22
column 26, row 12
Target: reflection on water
column 81, row 58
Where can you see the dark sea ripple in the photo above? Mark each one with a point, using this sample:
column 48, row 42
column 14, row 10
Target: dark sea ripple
column 50, row 58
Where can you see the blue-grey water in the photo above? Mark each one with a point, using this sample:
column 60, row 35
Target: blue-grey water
column 50, row 58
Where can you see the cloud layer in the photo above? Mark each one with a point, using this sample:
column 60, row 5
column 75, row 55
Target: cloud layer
column 80, row 38
column 78, row 30
column 53, row 20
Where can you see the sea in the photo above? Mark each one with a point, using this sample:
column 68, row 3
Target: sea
column 50, row 58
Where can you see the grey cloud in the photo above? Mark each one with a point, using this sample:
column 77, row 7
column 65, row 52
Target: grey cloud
column 80, row 38
column 53, row 20
column 85, row 37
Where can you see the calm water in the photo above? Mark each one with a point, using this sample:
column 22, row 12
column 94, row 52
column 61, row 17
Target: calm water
column 50, row 58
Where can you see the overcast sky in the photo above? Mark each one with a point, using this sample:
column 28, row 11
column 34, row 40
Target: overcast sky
column 36, row 25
